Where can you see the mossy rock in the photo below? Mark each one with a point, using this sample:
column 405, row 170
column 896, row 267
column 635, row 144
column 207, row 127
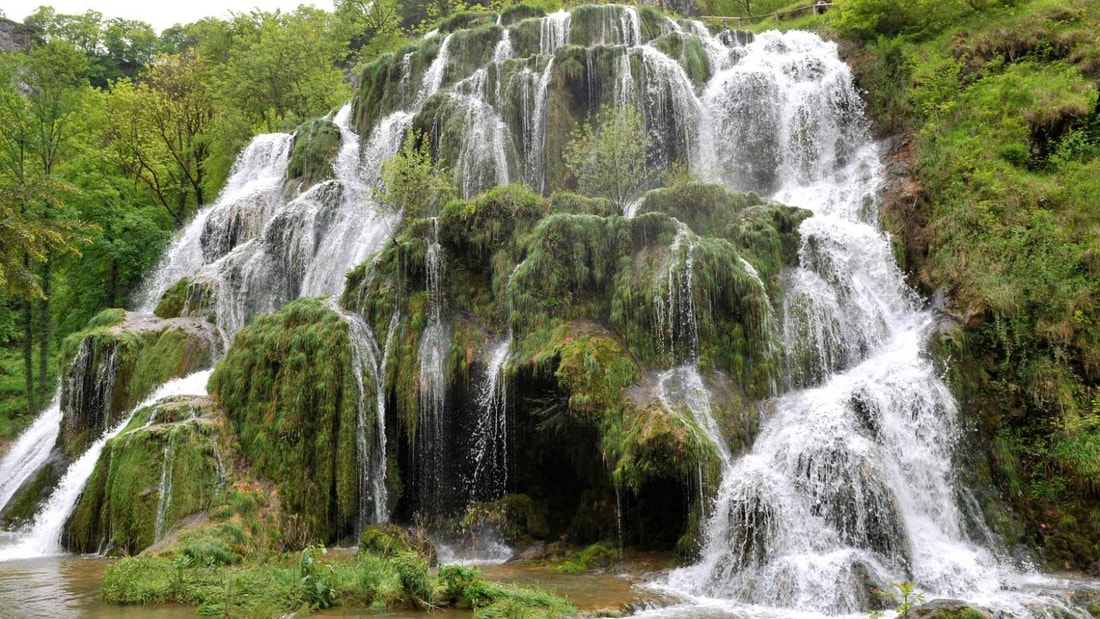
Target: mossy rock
column 688, row 50
column 519, row 518
column 107, row 370
column 167, row 464
column 948, row 609
column 385, row 540
column 288, row 386
column 188, row 298
column 658, row 443
column 706, row 208
column 24, row 504
column 316, row 143
column 519, row 12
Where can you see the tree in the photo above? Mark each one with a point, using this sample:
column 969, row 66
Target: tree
column 114, row 48
column 412, row 182
column 608, row 157
column 159, row 131
column 40, row 94
column 372, row 28
column 281, row 69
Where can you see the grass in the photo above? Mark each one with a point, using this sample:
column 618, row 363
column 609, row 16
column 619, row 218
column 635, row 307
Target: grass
column 313, row 579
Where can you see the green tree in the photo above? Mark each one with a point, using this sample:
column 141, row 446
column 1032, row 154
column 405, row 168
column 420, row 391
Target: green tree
column 372, row 28
column 281, row 68
column 160, row 130
column 41, row 93
column 608, row 157
column 412, row 182
column 114, row 48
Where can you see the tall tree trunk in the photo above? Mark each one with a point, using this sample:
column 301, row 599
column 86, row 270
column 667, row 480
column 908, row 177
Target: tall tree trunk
column 44, row 334
column 28, row 345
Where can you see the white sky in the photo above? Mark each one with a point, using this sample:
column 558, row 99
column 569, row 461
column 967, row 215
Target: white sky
column 158, row 13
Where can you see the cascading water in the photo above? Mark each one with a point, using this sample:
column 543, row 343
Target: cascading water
column 30, row 451
column 373, row 495
column 489, row 480
column 849, row 485
column 432, row 393
column 44, row 536
column 166, row 474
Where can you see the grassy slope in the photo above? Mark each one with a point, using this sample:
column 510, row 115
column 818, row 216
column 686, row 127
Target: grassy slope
column 997, row 106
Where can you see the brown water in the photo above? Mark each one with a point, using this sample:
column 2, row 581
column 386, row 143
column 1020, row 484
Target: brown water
column 62, row 587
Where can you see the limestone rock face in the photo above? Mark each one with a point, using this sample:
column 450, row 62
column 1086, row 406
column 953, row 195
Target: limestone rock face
column 14, row 37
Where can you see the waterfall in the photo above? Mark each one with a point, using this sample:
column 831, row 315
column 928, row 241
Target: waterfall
column 165, row 490
column 432, row 392
column 30, row 451
column 677, row 329
column 44, row 536
column 489, row 480
column 554, row 32
column 373, row 495
column 849, row 485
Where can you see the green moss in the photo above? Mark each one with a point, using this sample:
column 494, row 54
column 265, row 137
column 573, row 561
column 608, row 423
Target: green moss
column 122, row 504
column 471, row 49
column 658, row 444
column 600, row 556
column 391, row 83
column 706, row 208
column 464, row 20
column 687, row 50
column 385, row 540
column 520, row 12
column 315, row 144
column 22, row 507
column 517, row 517
column 1002, row 109
column 288, row 387
column 107, row 318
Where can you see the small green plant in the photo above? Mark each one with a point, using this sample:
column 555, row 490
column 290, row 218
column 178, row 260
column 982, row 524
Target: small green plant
column 904, row 599
column 315, row 589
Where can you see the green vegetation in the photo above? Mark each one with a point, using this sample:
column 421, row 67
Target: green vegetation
column 164, row 466
column 579, row 287
column 599, row 556
column 316, row 143
column 608, row 155
column 275, row 584
column 413, row 181
column 117, row 362
column 288, row 388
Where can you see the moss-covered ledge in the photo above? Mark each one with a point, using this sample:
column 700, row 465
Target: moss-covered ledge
column 112, row 366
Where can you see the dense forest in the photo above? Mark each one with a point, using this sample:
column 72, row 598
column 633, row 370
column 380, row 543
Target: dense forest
column 987, row 114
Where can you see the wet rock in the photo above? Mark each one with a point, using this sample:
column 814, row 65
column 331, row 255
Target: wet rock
column 949, row 609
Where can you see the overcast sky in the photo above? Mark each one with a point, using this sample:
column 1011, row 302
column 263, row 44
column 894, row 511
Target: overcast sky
column 158, row 13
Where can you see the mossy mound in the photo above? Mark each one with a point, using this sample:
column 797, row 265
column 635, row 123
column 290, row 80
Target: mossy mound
column 188, row 298
column 288, row 386
column 385, row 540
column 110, row 369
column 315, row 144
column 167, row 464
